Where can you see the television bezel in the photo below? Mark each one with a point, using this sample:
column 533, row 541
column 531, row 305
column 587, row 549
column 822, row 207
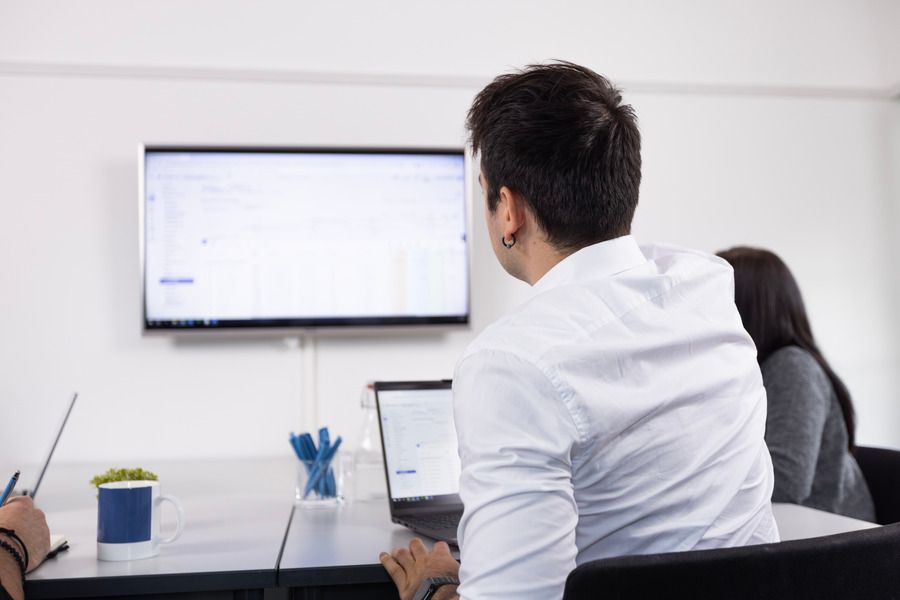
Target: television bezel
column 295, row 326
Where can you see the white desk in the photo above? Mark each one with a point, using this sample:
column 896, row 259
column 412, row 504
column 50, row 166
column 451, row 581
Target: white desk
column 242, row 537
column 799, row 522
column 335, row 551
column 236, row 513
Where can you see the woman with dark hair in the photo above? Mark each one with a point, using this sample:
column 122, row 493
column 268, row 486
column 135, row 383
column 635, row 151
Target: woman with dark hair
column 810, row 423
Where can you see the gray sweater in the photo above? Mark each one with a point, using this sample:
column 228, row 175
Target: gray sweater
column 807, row 438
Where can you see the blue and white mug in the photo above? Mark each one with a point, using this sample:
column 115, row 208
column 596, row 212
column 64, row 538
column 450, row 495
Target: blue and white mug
column 128, row 515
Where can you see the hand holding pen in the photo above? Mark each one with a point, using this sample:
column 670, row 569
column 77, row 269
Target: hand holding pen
column 30, row 525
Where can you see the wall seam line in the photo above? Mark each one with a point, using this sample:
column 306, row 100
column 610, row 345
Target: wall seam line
column 416, row 80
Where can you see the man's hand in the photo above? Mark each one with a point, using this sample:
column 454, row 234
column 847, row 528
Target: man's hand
column 409, row 568
column 29, row 523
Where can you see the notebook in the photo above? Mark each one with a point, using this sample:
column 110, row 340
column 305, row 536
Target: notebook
column 421, row 462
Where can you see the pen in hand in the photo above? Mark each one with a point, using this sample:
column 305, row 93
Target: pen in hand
column 9, row 487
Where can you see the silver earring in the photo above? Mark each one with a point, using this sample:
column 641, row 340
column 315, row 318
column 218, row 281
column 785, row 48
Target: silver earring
column 508, row 244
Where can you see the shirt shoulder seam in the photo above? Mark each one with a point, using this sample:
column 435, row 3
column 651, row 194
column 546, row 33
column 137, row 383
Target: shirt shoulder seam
column 565, row 394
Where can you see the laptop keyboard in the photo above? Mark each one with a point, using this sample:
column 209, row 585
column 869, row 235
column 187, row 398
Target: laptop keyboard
column 437, row 521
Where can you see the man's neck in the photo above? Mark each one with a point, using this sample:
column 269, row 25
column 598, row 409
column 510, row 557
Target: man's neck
column 542, row 257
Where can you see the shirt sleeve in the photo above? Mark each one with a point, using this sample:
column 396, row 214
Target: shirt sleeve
column 798, row 395
column 516, row 439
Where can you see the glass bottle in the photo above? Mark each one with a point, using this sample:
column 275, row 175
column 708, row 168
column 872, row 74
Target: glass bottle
column 368, row 458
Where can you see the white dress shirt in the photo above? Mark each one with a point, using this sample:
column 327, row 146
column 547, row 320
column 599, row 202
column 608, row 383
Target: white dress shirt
column 618, row 411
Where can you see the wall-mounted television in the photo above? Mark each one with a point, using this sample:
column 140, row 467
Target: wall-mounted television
column 258, row 237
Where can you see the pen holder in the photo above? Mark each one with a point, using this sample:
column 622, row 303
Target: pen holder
column 319, row 485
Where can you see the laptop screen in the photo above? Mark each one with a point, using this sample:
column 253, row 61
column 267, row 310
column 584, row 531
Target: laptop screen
column 419, row 440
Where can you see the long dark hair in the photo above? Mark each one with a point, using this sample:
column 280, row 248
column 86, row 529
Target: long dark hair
column 773, row 313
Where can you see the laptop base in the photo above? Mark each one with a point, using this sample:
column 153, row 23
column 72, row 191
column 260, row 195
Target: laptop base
column 440, row 527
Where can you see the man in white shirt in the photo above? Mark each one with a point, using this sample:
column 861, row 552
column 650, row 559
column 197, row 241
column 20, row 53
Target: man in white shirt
column 618, row 411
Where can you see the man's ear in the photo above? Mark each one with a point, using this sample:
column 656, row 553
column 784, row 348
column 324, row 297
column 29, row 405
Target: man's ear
column 511, row 208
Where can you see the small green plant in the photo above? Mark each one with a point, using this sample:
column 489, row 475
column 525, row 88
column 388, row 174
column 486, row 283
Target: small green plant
column 138, row 474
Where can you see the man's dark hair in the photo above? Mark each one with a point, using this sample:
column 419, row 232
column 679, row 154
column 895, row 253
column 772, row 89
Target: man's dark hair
column 559, row 136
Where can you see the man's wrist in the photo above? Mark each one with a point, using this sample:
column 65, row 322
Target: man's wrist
column 10, row 578
column 434, row 588
column 446, row 592
column 12, row 537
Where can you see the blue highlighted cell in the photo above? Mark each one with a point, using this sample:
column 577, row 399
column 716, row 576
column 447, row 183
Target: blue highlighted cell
column 176, row 280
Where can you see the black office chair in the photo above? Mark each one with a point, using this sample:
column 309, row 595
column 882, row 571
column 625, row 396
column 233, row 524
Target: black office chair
column 862, row 565
column 881, row 468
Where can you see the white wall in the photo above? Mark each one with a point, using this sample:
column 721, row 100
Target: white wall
column 822, row 43
column 766, row 124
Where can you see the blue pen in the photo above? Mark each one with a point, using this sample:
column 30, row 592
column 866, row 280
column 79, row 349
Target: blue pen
column 312, row 480
column 317, row 463
column 308, row 446
column 324, row 442
column 9, row 487
column 302, row 451
column 315, row 478
column 295, row 444
column 322, row 467
column 327, row 486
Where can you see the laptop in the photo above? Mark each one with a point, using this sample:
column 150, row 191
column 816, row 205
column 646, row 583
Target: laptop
column 58, row 543
column 421, row 461
column 59, row 430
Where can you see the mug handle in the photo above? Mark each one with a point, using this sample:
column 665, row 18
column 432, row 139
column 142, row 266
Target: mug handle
column 179, row 522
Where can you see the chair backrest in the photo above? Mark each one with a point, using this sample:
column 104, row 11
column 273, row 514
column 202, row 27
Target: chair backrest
column 881, row 468
column 857, row 565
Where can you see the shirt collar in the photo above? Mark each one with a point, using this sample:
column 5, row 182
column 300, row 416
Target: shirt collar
column 596, row 261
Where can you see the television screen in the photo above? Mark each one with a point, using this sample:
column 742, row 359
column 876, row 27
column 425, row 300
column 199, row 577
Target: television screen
column 288, row 237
